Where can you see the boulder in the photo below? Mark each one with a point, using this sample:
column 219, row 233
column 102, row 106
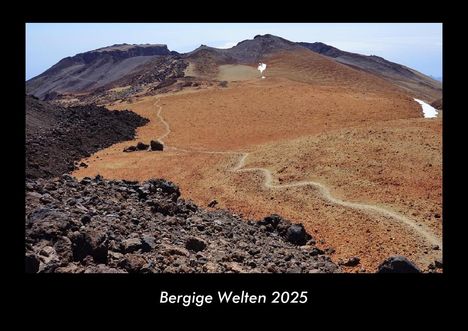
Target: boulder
column 156, row 145
column 297, row 235
column 130, row 149
column 142, row 146
column 397, row 264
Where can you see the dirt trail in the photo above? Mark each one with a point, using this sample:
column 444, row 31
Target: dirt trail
column 324, row 191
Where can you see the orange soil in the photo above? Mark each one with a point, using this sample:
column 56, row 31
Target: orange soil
column 299, row 131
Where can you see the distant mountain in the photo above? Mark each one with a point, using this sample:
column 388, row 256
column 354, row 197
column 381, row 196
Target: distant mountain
column 247, row 51
column 416, row 83
column 91, row 70
column 155, row 66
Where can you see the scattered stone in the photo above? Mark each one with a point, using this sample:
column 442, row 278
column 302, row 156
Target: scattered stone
column 63, row 248
column 132, row 263
column 103, row 269
column 132, row 245
column 148, row 243
column 85, row 219
column 438, row 263
column 212, row 203
column 351, row 262
column 397, row 264
column 130, row 149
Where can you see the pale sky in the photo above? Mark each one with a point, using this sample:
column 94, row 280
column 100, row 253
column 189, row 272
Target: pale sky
column 417, row 45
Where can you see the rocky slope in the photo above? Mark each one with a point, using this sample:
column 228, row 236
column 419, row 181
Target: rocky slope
column 57, row 137
column 89, row 71
column 100, row 226
column 418, row 84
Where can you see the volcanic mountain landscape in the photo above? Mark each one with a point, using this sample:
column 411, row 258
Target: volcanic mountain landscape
column 142, row 159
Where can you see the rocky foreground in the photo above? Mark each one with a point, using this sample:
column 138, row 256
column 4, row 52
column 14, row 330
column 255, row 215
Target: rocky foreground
column 100, row 226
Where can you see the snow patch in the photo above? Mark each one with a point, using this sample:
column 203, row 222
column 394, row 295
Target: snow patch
column 428, row 110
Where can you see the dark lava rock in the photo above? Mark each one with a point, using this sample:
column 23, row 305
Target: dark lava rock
column 148, row 243
column 156, row 145
column 297, row 235
column 351, row 262
column 130, row 149
column 212, row 203
column 165, row 186
column 272, row 220
column 132, row 245
column 56, row 136
column 132, row 263
column 64, row 248
column 106, row 226
column 142, row 146
column 195, row 244
column 91, row 242
column 85, row 219
column 397, row 264
column 103, row 269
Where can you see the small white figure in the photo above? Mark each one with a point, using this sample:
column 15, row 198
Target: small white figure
column 261, row 67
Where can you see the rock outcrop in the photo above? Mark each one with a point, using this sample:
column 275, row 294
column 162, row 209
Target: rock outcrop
column 58, row 137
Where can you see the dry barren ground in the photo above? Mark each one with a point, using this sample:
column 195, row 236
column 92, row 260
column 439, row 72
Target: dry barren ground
column 368, row 147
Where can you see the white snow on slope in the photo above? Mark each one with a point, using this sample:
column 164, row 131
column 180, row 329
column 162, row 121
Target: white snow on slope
column 428, row 110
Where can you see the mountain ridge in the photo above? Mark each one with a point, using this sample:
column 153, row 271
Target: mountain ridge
column 407, row 78
column 109, row 66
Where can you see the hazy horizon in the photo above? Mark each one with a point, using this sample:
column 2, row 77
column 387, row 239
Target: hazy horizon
column 416, row 45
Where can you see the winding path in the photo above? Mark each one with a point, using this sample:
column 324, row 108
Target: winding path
column 322, row 189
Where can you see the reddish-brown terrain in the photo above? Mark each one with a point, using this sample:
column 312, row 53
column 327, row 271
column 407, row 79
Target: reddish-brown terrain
column 369, row 146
